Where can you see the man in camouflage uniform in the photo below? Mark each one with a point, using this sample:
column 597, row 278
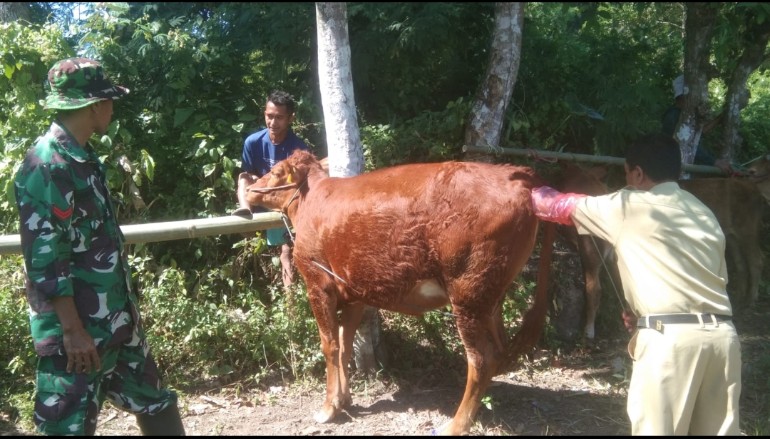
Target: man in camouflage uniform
column 83, row 314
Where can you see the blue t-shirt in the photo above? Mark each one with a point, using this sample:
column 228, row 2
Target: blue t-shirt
column 260, row 154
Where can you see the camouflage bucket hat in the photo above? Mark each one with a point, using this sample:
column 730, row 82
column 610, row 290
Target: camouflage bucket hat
column 79, row 82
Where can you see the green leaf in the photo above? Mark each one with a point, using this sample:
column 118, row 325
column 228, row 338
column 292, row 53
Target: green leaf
column 181, row 115
column 9, row 69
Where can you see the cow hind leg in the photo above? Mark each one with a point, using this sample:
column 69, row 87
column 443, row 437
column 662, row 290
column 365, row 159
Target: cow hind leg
column 484, row 360
column 350, row 319
column 590, row 260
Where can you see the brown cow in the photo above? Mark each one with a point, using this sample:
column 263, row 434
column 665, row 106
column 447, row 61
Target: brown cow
column 737, row 205
column 759, row 174
column 411, row 239
column 597, row 257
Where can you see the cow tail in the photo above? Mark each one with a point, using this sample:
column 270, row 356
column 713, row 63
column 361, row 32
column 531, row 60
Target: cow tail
column 534, row 320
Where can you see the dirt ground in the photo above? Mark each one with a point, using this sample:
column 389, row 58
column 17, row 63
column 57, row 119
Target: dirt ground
column 579, row 393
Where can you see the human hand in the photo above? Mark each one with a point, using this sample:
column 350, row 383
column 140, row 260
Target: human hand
column 552, row 205
column 82, row 356
column 629, row 321
column 243, row 212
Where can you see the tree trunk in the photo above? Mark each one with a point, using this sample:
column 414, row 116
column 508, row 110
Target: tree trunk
column 346, row 156
column 699, row 27
column 11, row 12
column 488, row 113
column 756, row 39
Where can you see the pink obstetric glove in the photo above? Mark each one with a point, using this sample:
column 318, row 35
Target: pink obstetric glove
column 552, row 205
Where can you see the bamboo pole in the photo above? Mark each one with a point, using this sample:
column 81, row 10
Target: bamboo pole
column 167, row 231
column 533, row 153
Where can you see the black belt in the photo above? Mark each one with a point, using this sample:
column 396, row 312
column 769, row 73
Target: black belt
column 656, row 321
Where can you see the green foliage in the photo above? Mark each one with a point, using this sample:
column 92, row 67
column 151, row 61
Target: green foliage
column 192, row 329
column 755, row 129
column 429, row 136
column 408, row 58
column 26, row 54
column 593, row 76
column 18, row 357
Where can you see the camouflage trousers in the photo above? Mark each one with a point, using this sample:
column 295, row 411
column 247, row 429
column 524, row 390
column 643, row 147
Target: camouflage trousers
column 69, row 403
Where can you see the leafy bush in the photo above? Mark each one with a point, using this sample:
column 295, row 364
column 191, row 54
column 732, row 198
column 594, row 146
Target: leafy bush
column 19, row 359
column 222, row 329
column 26, row 54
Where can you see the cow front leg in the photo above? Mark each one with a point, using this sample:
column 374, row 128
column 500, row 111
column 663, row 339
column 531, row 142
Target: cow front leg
column 324, row 309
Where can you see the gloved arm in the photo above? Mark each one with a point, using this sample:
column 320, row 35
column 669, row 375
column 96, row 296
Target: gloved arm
column 552, row 205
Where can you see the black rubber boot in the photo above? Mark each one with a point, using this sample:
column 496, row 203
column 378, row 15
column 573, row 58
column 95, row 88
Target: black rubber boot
column 165, row 423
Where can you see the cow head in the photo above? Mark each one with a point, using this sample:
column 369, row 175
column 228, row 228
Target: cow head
column 759, row 173
column 285, row 182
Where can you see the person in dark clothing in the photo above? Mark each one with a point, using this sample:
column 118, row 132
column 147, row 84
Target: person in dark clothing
column 671, row 119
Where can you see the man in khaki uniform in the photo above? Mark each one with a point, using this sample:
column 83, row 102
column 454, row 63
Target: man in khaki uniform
column 671, row 257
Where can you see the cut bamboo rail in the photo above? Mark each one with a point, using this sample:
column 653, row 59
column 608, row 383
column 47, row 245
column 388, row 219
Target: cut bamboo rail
column 535, row 154
column 167, row 231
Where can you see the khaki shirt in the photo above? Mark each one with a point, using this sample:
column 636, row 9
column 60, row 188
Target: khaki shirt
column 670, row 248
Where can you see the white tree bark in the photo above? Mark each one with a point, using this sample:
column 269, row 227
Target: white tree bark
column 699, row 28
column 346, row 156
column 488, row 112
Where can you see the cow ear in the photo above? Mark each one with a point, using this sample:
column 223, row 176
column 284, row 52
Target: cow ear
column 295, row 175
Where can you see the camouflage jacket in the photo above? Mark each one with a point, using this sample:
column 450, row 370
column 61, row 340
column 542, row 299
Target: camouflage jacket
column 72, row 244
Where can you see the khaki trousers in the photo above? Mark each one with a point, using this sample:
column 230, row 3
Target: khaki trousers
column 686, row 380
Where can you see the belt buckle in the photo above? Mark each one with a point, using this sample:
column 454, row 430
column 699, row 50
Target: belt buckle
column 659, row 325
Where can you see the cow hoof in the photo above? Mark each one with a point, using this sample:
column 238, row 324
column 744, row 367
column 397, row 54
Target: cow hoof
column 449, row 430
column 325, row 415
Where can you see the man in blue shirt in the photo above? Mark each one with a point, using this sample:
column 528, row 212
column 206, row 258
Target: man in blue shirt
column 261, row 151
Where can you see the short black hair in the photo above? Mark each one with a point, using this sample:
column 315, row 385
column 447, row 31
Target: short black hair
column 658, row 155
column 278, row 97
